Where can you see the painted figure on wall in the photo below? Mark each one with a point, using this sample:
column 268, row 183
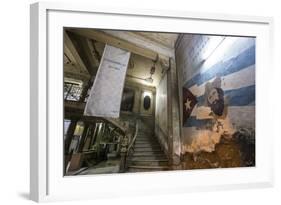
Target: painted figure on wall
column 216, row 101
column 223, row 85
column 208, row 115
column 214, row 97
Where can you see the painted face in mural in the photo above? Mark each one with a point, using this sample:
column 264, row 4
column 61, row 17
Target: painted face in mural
column 215, row 100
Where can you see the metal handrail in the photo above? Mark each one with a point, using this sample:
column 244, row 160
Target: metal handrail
column 134, row 139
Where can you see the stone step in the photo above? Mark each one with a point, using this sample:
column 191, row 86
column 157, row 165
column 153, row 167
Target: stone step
column 145, row 131
column 135, row 154
column 145, row 149
column 136, row 158
column 145, row 134
column 134, row 168
column 149, row 152
column 163, row 162
column 147, row 145
column 146, row 137
column 141, row 132
column 149, row 159
column 146, row 141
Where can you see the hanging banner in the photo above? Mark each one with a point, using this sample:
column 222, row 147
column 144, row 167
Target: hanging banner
column 106, row 94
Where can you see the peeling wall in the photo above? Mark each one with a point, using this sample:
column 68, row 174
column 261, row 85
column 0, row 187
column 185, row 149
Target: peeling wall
column 217, row 88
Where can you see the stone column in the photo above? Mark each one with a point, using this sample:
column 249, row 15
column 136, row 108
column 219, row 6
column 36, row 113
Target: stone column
column 169, row 120
column 174, row 141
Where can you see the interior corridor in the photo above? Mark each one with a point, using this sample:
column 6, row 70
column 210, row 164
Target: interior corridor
column 187, row 102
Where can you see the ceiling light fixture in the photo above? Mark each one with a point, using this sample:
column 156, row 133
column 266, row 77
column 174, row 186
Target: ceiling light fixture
column 152, row 70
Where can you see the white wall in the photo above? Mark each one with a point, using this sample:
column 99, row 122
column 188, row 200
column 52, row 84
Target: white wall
column 161, row 113
column 14, row 52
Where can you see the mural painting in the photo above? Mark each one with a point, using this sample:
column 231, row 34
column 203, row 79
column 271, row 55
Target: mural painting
column 218, row 105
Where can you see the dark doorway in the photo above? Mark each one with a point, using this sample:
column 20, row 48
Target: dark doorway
column 127, row 103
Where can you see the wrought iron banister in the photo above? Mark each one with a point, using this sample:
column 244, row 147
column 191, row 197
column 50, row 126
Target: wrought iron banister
column 79, row 106
column 126, row 136
column 126, row 146
column 134, row 138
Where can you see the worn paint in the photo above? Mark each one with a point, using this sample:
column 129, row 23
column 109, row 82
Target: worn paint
column 230, row 72
column 161, row 113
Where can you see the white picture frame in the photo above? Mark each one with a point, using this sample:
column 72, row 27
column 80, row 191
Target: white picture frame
column 47, row 182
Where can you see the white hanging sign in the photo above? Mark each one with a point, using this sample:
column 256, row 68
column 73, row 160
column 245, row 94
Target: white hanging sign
column 106, row 93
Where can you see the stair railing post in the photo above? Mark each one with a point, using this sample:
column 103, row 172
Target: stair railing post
column 123, row 153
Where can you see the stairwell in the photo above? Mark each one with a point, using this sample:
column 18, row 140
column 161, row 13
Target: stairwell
column 147, row 154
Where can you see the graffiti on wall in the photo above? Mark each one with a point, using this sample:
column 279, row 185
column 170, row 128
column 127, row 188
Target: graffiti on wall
column 219, row 99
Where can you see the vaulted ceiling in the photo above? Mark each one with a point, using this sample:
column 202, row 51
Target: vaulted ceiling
column 83, row 49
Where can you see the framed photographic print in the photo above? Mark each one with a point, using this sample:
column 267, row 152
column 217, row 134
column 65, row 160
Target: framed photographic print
column 127, row 102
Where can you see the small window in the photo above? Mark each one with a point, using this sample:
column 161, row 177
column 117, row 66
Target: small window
column 146, row 102
column 72, row 91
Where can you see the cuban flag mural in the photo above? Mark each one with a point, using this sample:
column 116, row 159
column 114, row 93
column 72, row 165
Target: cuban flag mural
column 189, row 101
column 218, row 93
